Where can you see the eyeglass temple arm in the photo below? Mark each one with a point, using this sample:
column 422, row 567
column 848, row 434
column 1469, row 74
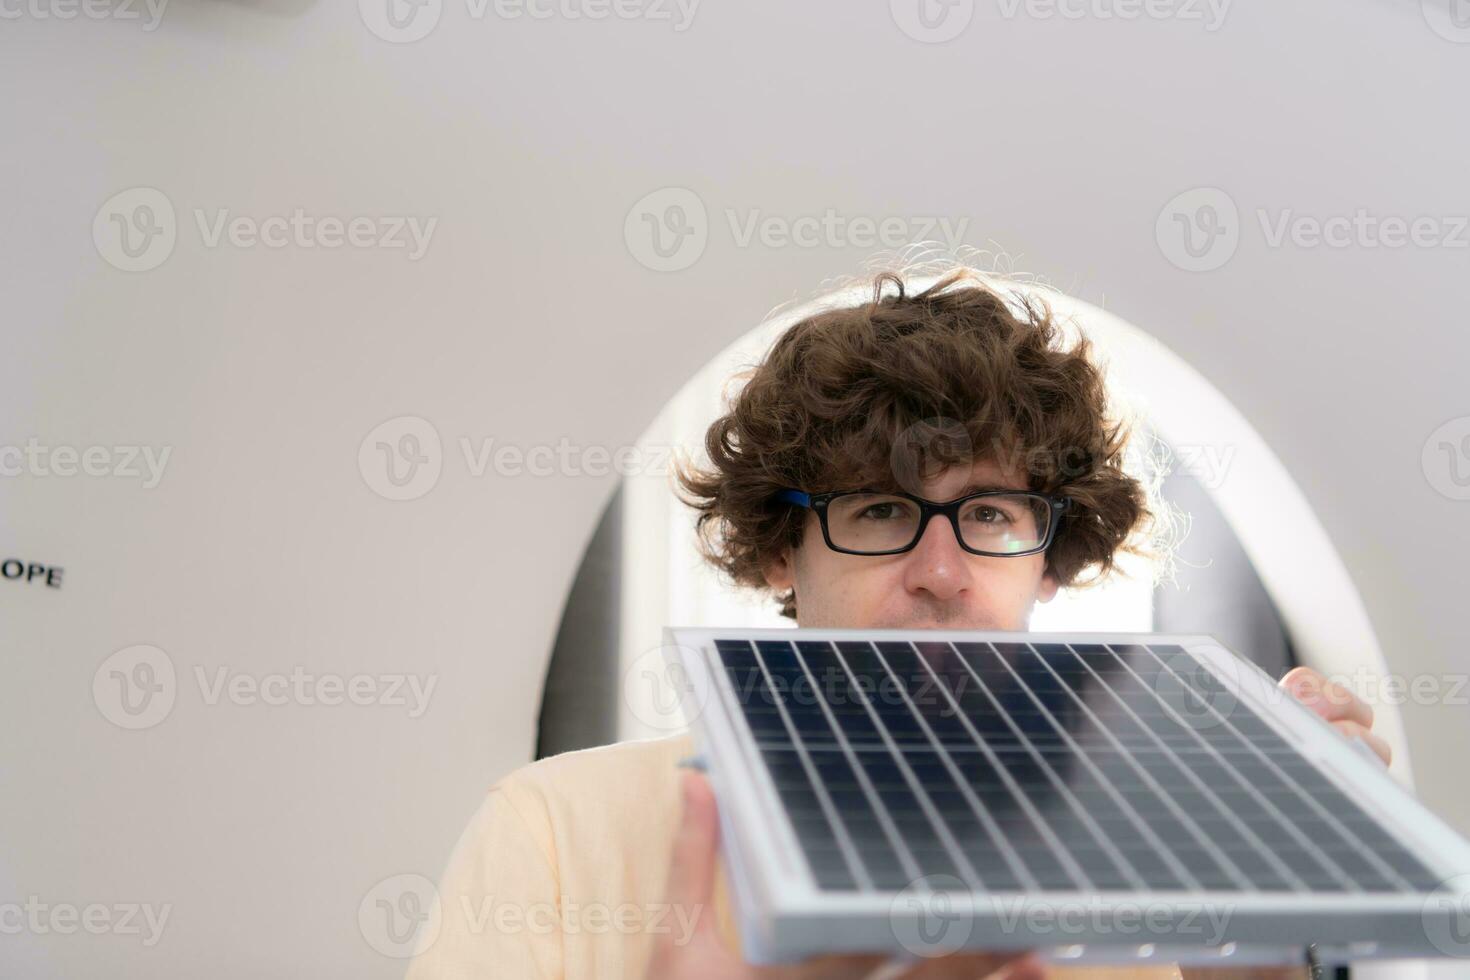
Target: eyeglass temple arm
column 795, row 497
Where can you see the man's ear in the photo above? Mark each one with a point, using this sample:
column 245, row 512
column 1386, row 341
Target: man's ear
column 780, row 572
column 1049, row 586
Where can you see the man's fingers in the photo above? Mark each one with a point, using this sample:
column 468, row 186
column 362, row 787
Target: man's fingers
column 999, row 966
column 691, row 879
column 968, row 966
column 836, row 966
column 1327, row 697
column 1351, row 729
column 1347, row 706
column 1028, row 967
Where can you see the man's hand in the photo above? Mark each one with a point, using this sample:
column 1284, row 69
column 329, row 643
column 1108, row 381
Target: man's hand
column 1351, row 716
column 1348, row 713
column 696, row 849
column 704, row 955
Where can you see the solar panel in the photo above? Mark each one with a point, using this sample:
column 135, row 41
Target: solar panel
column 918, row 791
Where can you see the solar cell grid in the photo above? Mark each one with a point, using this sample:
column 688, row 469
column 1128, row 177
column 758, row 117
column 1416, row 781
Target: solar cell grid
column 1020, row 766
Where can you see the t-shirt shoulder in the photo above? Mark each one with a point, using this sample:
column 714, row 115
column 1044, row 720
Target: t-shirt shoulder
column 584, row 771
column 607, row 800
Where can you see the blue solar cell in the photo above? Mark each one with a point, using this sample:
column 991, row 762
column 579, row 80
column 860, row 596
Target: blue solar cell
column 1014, row 765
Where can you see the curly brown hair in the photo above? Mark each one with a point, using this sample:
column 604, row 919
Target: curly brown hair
column 883, row 394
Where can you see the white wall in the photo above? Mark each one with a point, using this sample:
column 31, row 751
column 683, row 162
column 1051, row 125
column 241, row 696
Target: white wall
column 530, row 320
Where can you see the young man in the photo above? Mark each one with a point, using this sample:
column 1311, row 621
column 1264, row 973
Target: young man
column 604, row 863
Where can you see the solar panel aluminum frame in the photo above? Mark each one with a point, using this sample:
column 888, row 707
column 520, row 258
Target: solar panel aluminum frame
column 783, row 916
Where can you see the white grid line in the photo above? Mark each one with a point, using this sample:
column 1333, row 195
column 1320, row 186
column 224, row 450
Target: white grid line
column 1332, row 865
column 1062, row 855
column 849, row 850
column 1241, row 876
column 991, row 827
column 1164, row 851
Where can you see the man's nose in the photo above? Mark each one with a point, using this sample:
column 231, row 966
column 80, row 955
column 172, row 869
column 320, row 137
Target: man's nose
column 938, row 565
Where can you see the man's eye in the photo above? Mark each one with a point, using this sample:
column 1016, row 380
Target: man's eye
column 989, row 515
column 880, row 512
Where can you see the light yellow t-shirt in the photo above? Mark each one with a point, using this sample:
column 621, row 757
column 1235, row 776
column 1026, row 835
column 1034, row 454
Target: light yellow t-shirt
column 561, row 873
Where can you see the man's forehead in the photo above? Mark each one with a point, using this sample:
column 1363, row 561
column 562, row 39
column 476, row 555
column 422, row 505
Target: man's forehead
column 956, row 479
column 981, row 475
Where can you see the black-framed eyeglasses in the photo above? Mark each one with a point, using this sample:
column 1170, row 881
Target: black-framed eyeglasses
column 999, row 523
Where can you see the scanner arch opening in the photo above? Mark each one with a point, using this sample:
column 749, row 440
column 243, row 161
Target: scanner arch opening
column 663, row 580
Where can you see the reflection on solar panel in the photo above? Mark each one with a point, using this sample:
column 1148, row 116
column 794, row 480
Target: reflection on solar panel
column 1047, row 764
